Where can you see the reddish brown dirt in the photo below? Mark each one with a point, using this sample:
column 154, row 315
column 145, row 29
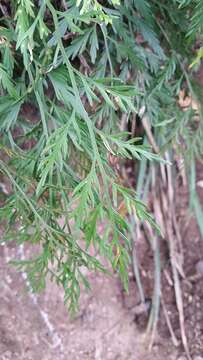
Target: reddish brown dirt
column 34, row 327
column 192, row 286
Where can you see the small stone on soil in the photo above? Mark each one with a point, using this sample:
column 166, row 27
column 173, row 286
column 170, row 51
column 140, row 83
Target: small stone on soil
column 199, row 267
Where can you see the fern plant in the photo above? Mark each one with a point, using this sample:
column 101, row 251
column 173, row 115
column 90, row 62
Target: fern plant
column 82, row 67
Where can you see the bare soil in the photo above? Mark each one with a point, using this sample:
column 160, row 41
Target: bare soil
column 38, row 327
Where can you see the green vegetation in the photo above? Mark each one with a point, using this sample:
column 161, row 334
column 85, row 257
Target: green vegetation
column 86, row 70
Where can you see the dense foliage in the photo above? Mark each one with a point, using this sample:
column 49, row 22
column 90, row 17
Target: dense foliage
column 73, row 76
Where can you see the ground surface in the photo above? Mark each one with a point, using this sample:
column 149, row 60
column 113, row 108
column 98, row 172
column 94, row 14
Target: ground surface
column 37, row 327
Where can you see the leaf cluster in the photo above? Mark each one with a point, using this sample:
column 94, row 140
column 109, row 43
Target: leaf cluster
column 82, row 66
